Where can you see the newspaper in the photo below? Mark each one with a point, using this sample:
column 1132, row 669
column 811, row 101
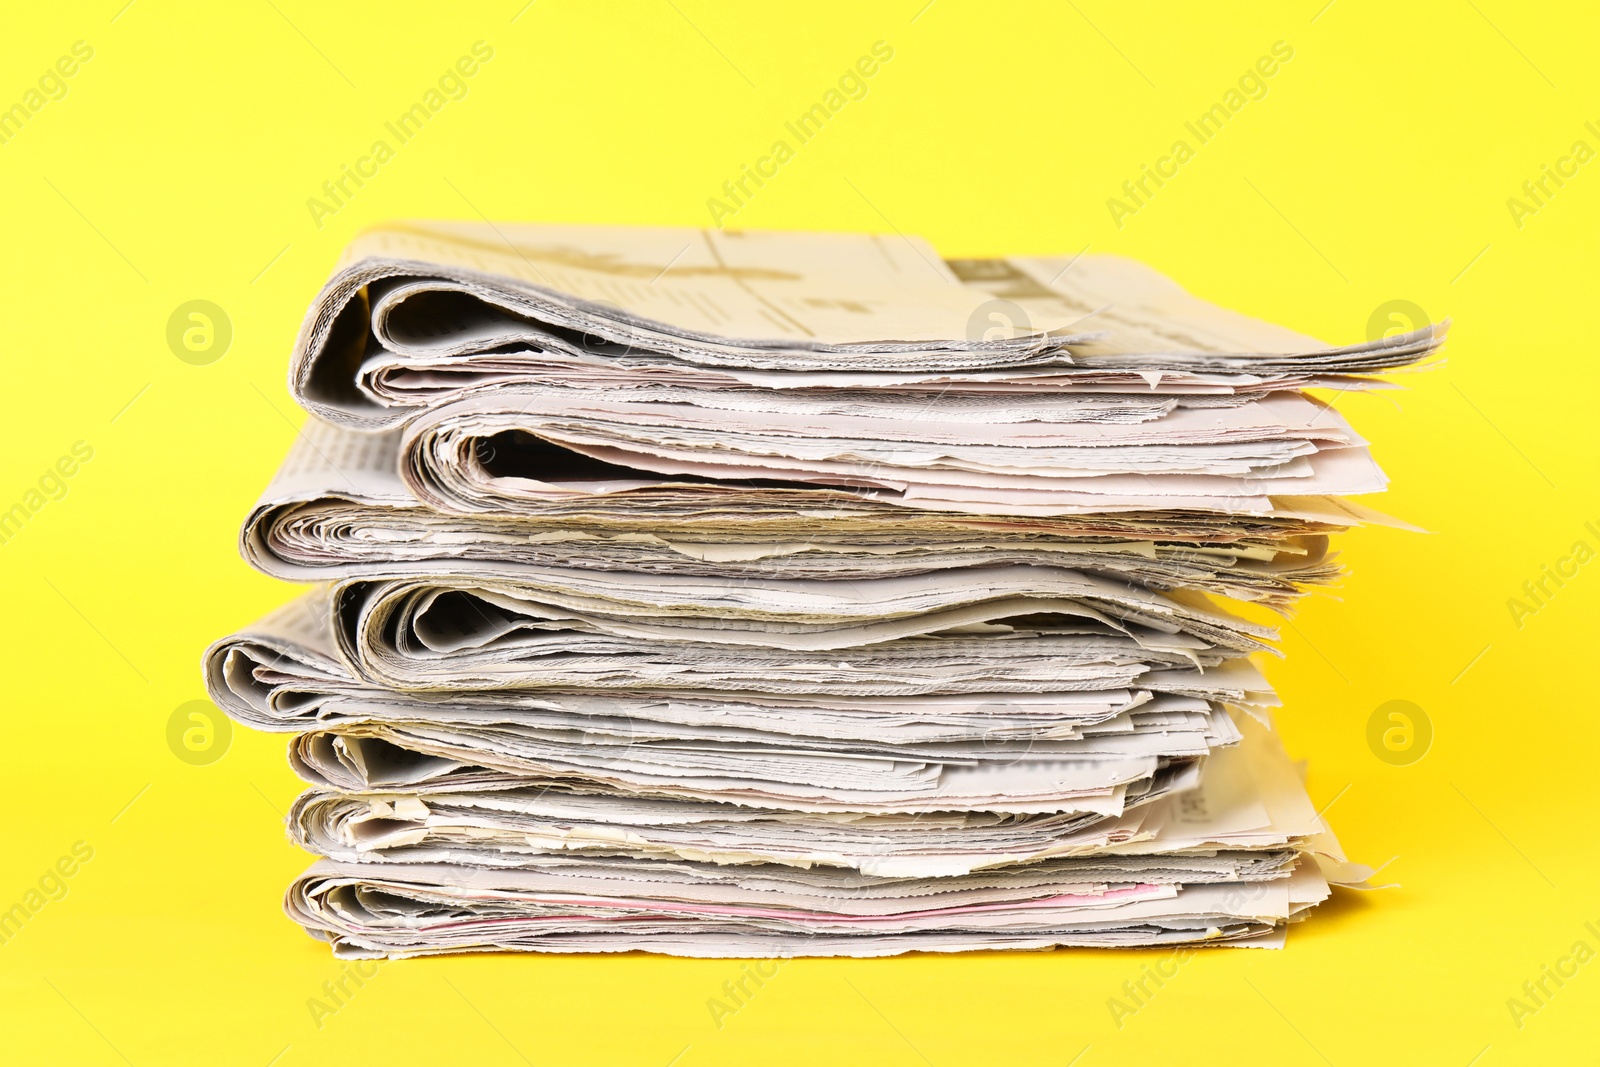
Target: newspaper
column 337, row 507
column 510, row 817
column 400, row 911
column 502, row 452
column 418, row 313
column 1009, row 628
column 1108, row 725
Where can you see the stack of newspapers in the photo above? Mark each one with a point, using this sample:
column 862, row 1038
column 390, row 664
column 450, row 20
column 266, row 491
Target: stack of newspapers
column 764, row 594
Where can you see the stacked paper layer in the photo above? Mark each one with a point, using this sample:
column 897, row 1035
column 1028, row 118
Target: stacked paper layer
column 750, row 594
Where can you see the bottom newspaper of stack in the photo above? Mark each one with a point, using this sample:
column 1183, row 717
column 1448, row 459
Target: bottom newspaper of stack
column 494, row 768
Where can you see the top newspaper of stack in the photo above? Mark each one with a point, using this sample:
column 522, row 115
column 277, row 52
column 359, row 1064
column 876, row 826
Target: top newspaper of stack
column 418, row 314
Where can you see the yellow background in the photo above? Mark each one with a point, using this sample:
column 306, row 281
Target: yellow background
column 1377, row 168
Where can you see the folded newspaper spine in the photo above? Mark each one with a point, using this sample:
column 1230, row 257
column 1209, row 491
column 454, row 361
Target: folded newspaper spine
column 757, row 594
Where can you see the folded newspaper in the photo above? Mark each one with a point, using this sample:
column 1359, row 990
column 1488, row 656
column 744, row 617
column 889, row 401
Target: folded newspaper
column 419, row 313
column 735, row 594
column 338, row 508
